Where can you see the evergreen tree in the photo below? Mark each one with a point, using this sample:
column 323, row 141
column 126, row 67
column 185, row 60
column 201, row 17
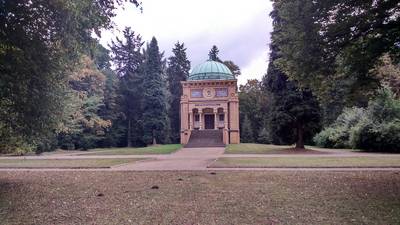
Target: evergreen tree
column 264, row 136
column 128, row 60
column 213, row 54
column 177, row 71
column 154, row 102
column 251, row 101
column 246, row 132
column 294, row 113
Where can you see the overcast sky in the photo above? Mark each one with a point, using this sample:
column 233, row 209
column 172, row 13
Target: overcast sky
column 240, row 29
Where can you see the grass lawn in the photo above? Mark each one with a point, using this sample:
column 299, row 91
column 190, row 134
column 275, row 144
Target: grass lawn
column 62, row 163
column 80, row 197
column 158, row 149
column 359, row 161
column 251, row 148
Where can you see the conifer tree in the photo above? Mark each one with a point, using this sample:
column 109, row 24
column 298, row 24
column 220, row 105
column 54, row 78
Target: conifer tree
column 155, row 119
column 128, row 59
column 246, row 135
column 177, row 71
column 213, row 54
column 294, row 113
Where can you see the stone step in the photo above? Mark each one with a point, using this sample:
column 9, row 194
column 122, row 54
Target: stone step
column 205, row 138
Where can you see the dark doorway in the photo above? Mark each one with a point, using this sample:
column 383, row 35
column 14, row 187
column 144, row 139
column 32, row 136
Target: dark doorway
column 209, row 121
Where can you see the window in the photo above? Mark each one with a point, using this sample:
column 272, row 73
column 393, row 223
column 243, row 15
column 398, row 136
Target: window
column 221, row 92
column 221, row 117
column 197, row 93
column 197, row 117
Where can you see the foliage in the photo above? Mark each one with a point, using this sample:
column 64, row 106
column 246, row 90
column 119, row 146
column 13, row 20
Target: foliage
column 177, row 71
column 82, row 126
column 246, row 133
column 155, row 126
column 294, row 114
column 40, row 41
column 264, row 136
column 375, row 128
column 334, row 45
column 388, row 73
column 338, row 134
column 251, row 101
column 213, row 55
column 127, row 56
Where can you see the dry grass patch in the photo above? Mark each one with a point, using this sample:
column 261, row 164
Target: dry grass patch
column 265, row 162
column 199, row 198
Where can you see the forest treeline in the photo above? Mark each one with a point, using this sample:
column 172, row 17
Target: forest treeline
column 60, row 88
column 333, row 78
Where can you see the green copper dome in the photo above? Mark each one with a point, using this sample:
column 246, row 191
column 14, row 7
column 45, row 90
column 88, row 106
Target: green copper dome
column 211, row 70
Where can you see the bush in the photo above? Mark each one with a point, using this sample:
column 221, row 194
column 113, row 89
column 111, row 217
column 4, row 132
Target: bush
column 337, row 135
column 376, row 128
column 383, row 137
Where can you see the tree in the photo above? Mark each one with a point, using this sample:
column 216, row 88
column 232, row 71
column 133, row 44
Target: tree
column 128, row 59
column 246, row 135
column 40, row 42
column 82, row 126
column 213, row 54
column 154, row 91
column 264, row 136
column 326, row 43
column 294, row 114
column 233, row 68
column 177, row 71
column 251, row 100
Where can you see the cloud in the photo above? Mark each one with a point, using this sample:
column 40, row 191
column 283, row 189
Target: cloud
column 239, row 29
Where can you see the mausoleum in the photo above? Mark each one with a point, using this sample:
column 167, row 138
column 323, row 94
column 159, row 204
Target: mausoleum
column 210, row 106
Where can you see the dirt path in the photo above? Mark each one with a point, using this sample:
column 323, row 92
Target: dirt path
column 184, row 159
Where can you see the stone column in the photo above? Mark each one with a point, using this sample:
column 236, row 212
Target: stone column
column 191, row 121
column 234, row 121
column 215, row 119
column 200, row 120
column 225, row 119
column 225, row 134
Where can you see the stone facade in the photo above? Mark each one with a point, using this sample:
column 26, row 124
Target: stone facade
column 210, row 104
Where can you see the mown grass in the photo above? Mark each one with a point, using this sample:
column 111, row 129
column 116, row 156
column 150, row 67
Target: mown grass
column 256, row 162
column 62, row 163
column 252, row 148
column 158, row 149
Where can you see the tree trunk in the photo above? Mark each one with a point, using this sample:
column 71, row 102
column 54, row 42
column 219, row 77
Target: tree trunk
column 300, row 138
column 154, row 139
column 129, row 134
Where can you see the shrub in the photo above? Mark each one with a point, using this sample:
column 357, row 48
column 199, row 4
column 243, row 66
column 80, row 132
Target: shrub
column 337, row 135
column 376, row 128
column 384, row 137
